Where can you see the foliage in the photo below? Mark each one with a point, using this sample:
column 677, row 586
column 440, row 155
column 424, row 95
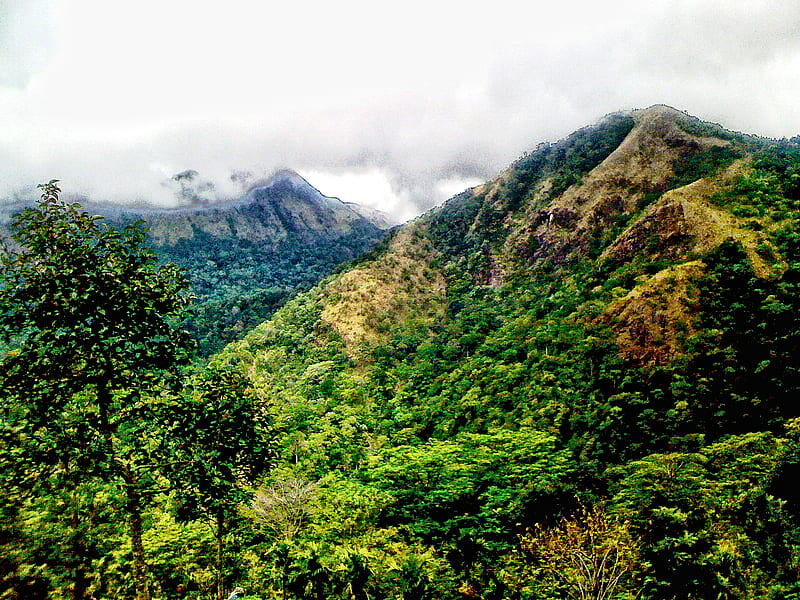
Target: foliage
column 91, row 315
column 589, row 555
column 239, row 283
column 505, row 448
column 215, row 322
column 470, row 222
column 219, row 445
column 704, row 164
column 707, row 521
column 569, row 159
column 284, row 506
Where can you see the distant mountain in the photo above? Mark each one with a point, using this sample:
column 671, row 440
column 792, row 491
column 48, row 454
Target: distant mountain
column 286, row 208
column 246, row 257
column 629, row 295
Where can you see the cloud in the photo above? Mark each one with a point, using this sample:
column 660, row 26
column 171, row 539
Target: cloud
column 395, row 109
column 25, row 40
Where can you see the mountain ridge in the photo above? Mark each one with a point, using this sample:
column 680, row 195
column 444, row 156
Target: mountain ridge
column 640, row 188
column 632, row 178
column 246, row 257
column 283, row 207
column 581, row 375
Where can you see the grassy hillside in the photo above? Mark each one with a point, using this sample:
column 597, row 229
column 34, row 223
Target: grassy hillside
column 628, row 295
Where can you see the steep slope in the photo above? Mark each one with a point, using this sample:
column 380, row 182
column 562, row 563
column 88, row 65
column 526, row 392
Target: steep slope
column 608, row 193
column 627, row 298
column 614, row 234
column 579, row 378
column 651, row 186
column 247, row 258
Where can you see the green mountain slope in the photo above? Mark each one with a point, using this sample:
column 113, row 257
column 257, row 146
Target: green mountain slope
column 245, row 259
column 615, row 317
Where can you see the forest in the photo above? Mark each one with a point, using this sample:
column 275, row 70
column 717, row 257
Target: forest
column 246, row 258
column 577, row 381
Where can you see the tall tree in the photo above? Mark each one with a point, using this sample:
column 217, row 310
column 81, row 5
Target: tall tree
column 91, row 317
column 220, row 444
column 588, row 555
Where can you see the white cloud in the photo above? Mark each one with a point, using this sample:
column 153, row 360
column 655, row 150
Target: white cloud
column 397, row 104
column 368, row 187
column 25, row 40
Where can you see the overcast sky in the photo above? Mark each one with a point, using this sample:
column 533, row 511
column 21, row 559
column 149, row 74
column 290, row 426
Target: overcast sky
column 394, row 105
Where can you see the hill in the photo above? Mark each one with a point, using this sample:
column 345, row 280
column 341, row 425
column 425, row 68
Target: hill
column 610, row 323
column 245, row 258
column 577, row 380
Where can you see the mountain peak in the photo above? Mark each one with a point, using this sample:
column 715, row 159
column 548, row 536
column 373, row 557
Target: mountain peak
column 286, row 180
column 288, row 176
column 660, row 110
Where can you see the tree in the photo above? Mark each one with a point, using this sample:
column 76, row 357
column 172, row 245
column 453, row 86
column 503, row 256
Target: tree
column 467, row 495
column 668, row 500
column 219, row 445
column 590, row 555
column 285, row 506
column 714, row 524
column 91, row 317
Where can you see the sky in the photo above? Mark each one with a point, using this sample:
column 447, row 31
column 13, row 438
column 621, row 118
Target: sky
column 396, row 105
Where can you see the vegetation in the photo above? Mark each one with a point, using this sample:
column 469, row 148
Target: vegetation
column 244, row 262
column 90, row 389
column 508, row 445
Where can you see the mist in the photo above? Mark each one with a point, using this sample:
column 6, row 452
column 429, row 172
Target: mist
column 396, row 110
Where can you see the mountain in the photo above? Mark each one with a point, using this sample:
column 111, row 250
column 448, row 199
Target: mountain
column 602, row 341
column 636, row 187
column 245, row 258
column 285, row 208
column 373, row 215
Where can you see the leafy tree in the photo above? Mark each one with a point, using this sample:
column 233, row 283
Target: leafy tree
column 710, row 523
column 666, row 498
column 91, row 316
column 468, row 494
column 590, row 555
column 219, row 445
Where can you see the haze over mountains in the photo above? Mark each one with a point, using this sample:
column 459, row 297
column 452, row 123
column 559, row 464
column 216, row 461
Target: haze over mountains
column 245, row 257
column 285, row 207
